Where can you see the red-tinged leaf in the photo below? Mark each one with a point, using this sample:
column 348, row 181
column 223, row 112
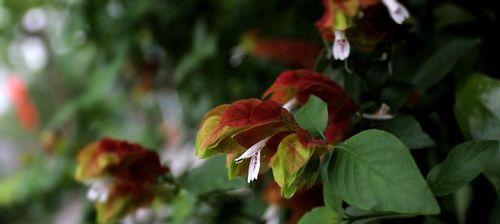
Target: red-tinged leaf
column 217, row 111
column 250, row 112
column 290, row 157
column 209, row 136
column 252, row 136
column 307, row 140
column 327, row 24
column 290, row 51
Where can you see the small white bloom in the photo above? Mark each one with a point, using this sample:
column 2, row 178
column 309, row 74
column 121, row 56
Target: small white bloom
column 99, row 190
column 290, row 104
column 254, row 154
column 381, row 114
column 341, row 47
column 398, row 12
column 140, row 216
column 272, row 215
column 237, row 55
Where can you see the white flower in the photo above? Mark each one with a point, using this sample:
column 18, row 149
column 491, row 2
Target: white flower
column 140, row 216
column 341, row 47
column 272, row 214
column 254, row 154
column 381, row 114
column 398, row 12
column 99, row 189
column 237, row 55
column 290, row 104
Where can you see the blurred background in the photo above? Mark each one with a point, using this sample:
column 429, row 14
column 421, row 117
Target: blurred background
column 73, row 71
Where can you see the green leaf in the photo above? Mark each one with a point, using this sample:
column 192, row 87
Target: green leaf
column 375, row 171
column 211, row 176
column 477, row 108
column 320, row 215
column 313, row 116
column 182, row 207
column 408, row 130
column 464, row 163
column 440, row 64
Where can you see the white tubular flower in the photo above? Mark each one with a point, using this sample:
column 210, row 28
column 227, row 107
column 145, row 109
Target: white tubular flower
column 398, row 12
column 254, row 154
column 381, row 114
column 99, row 190
column 341, row 47
column 290, row 104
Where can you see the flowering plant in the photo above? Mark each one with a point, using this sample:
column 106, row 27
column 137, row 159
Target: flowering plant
column 122, row 177
column 325, row 111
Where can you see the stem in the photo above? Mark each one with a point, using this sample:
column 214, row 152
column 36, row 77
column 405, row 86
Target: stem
column 318, row 59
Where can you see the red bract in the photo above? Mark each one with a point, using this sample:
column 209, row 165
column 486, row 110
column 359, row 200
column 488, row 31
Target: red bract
column 26, row 110
column 300, row 84
column 335, row 16
column 254, row 134
column 126, row 162
column 337, row 13
column 239, row 120
column 286, row 50
column 122, row 176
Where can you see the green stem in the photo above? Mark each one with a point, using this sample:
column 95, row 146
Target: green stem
column 318, row 59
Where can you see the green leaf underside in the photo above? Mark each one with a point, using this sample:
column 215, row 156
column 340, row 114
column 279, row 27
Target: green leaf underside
column 320, row 215
column 375, row 171
column 465, row 162
column 313, row 116
column 477, row 108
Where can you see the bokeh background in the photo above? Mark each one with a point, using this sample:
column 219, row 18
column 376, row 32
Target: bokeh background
column 73, row 71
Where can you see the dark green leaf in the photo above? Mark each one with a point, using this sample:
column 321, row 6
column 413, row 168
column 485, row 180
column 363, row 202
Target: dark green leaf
column 212, row 176
column 464, row 163
column 408, row 130
column 440, row 64
column 375, row 171
column 477, row 108
column 313, row 116
column 320, row 215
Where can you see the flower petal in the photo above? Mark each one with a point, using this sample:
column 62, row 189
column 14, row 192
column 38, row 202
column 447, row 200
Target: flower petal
column 254, row 167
